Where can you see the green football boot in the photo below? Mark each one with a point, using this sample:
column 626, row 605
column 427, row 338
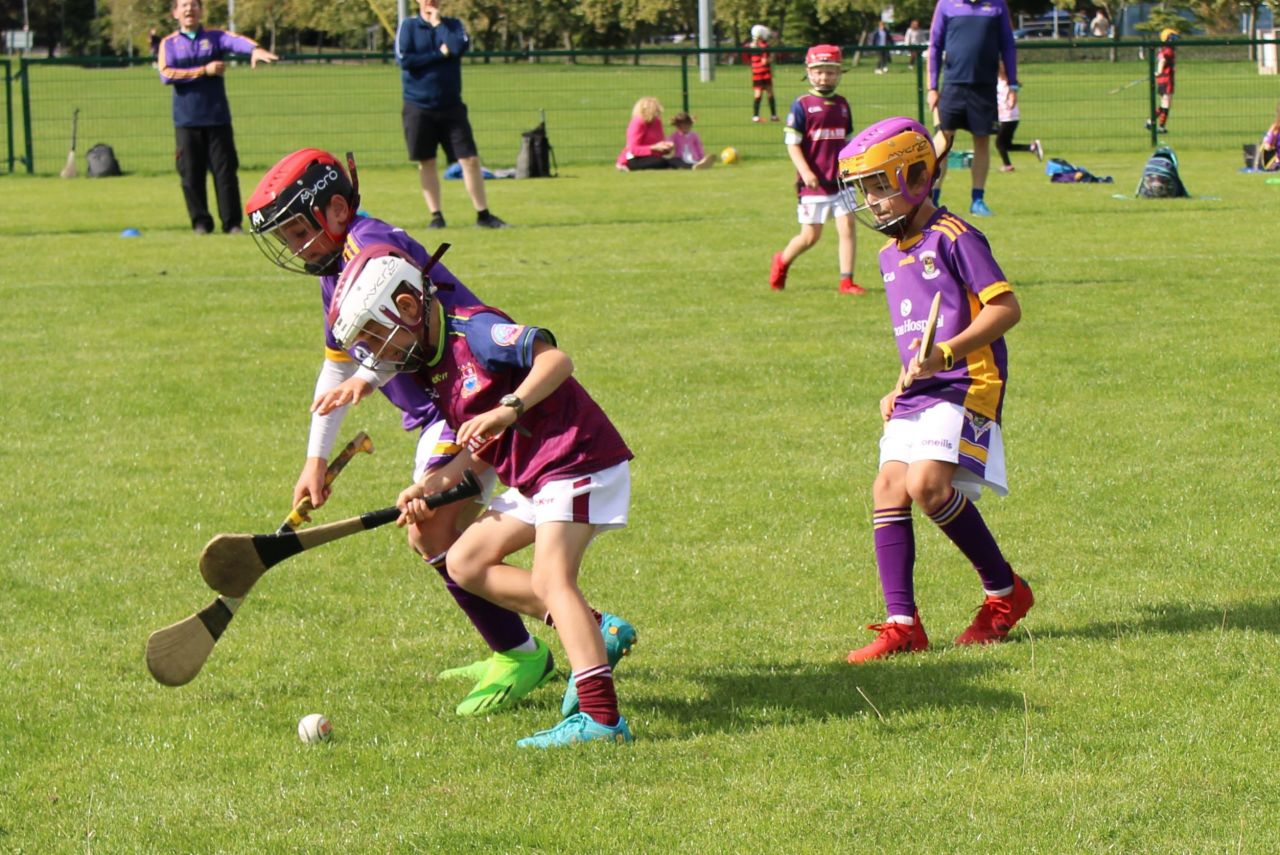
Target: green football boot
column 507, row 678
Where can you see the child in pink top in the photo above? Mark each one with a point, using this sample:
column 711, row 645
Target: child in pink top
column 687, row 144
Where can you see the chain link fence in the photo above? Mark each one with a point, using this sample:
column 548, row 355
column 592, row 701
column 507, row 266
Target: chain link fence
column 1079, row 97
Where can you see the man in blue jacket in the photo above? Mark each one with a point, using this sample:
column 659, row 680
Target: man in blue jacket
column 429, row 49
column 192, row 62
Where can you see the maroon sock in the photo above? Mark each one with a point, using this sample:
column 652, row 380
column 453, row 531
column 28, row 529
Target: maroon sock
column 596, row 696
column 959, row 520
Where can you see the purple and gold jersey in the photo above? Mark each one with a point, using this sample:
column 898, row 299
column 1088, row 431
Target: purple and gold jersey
column 485, row 355
column 954, row 258
column 819, row 125
column 402, row 390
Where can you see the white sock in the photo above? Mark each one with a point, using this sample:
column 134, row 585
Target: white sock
column 528, row 647
column 1003, row 592
column 907, row 620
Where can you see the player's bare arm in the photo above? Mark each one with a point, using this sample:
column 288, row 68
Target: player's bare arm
column 353, row 390
column 996, row 318
column 551, row 367
column 802, row 166
column 411, row 501
column 311, row 484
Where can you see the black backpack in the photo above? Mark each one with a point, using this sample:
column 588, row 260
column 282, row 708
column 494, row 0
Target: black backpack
column 102, row 161
column 1160, row 178
column 536, row 154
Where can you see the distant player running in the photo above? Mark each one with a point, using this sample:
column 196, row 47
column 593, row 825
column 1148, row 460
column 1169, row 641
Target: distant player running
column 509, row 393
column 942, row 442
column 1165, row 61
column 819, row 123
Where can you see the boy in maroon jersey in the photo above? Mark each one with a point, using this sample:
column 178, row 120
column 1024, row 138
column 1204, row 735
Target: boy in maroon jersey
column 509, row 393
column 817, row 126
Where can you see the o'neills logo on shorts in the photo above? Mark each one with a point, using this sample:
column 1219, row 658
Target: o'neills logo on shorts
column 311, row 192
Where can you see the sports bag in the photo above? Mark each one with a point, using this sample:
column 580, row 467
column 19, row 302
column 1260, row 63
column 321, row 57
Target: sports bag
column 536, row 154
column 1160, row 178
column 102, row 161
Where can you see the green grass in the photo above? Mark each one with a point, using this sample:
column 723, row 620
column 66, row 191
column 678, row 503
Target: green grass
column 155, row 393
column 1081, row 107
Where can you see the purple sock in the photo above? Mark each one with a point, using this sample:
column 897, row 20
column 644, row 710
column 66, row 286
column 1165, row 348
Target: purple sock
column 896, row 559
column 500, row 628
column 959, row 520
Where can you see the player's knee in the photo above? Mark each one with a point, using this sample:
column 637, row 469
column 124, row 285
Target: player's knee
column 927, row 491
column 548, row 584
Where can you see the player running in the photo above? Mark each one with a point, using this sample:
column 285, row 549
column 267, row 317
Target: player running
column 942, row 442
column 509, row 393
column 304, row 216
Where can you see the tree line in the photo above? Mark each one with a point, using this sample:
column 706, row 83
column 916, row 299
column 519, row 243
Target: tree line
column 123, row 27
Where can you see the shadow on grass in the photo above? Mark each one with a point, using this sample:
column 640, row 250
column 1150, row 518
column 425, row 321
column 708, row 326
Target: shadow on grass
column 1177, row 618
column 765, row 694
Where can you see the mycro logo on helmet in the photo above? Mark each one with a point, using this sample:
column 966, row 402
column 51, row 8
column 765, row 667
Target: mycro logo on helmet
column 310, row 193
column 256, row 218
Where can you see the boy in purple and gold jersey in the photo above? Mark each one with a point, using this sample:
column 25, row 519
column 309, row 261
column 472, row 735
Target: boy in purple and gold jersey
column 509, row 393
column 303, row 216
column 942, row 442
column 817, row 126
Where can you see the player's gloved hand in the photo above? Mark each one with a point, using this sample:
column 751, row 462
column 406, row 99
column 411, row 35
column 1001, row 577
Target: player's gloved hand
column 311, row 484
column 350, row 391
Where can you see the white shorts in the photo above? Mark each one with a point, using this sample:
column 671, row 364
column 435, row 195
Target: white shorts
column 601, row 499
column 815, row 210
column 437, row 445
column 950, row 433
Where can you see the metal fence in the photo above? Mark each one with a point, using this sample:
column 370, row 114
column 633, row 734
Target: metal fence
column 1081, row 97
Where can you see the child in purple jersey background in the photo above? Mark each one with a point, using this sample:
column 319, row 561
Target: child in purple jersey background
column 510, row 394
column 303, row 216
column 817, row 126
column 942, row 440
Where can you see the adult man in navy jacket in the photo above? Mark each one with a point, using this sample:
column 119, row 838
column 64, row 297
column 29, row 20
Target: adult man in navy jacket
column 191, row 61
column 429, row 49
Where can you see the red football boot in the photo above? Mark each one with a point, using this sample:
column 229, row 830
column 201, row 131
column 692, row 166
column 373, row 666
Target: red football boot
column 777, row 273
column 848, row 286
column 997, row 615
column 893, row 638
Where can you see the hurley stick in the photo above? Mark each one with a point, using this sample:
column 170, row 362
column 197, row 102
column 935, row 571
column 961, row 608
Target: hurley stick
column 176, row 653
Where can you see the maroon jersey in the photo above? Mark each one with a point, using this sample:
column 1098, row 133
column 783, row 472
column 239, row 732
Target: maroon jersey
column 819, row 124
column 485, row 355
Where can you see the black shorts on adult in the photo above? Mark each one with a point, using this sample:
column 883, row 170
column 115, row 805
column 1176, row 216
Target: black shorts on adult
column 1164, row 85
column 425, row 130
column 968, row 107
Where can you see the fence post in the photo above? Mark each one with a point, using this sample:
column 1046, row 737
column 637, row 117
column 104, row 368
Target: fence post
column 920, row 62
column 24, row 73
column 1151, row 89
column 684, row 79
column 8, row 112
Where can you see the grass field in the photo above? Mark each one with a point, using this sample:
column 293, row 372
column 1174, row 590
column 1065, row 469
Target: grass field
column 155, row 393
column 1082, row 106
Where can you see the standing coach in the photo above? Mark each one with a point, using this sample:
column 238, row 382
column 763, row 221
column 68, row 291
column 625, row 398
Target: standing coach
column 970, row 38
column 191, row 61
column 429, row 49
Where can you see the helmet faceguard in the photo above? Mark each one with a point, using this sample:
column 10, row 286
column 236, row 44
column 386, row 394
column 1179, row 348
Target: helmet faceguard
column 363, row 313
column 287, row 211
column 879, row 162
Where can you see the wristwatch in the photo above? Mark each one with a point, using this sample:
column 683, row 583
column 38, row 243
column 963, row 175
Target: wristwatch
column 514, row 403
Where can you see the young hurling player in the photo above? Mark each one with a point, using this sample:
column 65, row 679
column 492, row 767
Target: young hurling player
column 303, row 216
column 817, row 126
column 942, row 440
column 510, row 395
